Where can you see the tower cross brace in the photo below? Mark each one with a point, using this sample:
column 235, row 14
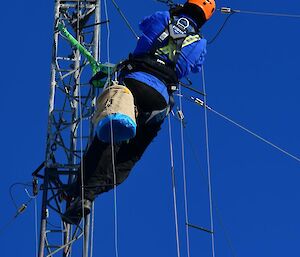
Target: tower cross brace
column 71, row 104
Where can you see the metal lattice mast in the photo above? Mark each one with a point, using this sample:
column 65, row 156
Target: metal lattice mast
column 71, row 104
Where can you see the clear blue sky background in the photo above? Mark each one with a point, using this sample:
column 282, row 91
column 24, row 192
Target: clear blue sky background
column 252, row 76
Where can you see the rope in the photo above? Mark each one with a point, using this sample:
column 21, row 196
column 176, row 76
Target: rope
column 184, row 177
column 36, row 226
column 7, row 224
column 112, row 141
column 100, row 32
column 256, row 135
column 125, row 19
column 174, row 187
column 200, row 102
column 93, row 203
column 11, row 192
column 208, row 167
column 228, row 240
column 228, row 10
column 20, row 210
column 81, row 141
column 92, row 230
column 268, row 14
column 217, row 212
column 35, row 222
column 220, row 29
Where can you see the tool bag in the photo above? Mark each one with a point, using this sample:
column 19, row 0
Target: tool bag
column 115, row 111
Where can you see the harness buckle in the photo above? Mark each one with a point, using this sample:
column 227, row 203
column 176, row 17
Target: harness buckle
column 183, row 23
column 173, row 88
column 163, row 36
column 161, row 61
column 179, row 30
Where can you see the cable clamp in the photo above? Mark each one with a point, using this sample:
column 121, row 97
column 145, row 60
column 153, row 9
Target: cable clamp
column 180, row 115
column 226, row 10
column 197, row 101
column 200, row 102
column 21, row 209
column 35, row 184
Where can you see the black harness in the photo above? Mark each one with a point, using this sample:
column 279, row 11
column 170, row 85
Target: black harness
column 153, row 65
column 155, row 62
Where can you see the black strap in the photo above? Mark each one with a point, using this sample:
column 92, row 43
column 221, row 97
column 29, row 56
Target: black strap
column 155, row 63
column 152, row 65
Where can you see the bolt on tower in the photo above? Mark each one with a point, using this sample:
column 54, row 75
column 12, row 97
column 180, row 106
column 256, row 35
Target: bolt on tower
column 71, row 104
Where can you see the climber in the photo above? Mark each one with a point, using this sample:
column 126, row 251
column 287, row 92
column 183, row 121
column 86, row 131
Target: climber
column 169, row 48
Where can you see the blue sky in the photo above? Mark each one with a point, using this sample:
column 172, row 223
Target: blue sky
column 251, row 76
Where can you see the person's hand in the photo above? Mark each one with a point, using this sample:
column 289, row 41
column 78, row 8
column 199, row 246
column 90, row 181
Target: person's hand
column 99, row 79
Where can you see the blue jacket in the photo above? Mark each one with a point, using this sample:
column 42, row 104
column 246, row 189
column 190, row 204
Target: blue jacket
column 190, row 60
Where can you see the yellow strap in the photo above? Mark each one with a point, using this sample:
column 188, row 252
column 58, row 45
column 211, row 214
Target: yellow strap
column 170, row 48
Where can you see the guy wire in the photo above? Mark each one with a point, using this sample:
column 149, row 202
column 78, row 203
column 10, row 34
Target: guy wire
column 125, row 19
column 287, row 15
column 196, row 100
column 174, row 186
column 80, row 132
column 112, row 140
column 208, row 166
column 184, row 177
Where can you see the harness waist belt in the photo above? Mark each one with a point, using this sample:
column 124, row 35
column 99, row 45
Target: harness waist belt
column 154, row 66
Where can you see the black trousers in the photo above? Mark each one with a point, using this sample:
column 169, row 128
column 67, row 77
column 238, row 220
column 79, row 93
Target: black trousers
column 97, row 162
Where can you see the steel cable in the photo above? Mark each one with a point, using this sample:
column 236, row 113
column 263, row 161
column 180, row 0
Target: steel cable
column 268, row 14
column 92, row 230
column 174, row 187
column 220, row 29
column 217, row 212
column 112, row 141
column 201, row 103
column 184, row 177
column 256, row 135
column 125, row 19
column 208, row 167
column 80, row 134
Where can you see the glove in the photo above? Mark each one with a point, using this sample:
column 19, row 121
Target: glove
column 99, row 79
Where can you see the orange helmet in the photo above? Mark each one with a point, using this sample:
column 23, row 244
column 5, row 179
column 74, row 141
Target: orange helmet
column 208, row 6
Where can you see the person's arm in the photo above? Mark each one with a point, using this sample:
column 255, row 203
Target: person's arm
column 191, row 58
column 155, row 23
column 201, row 48
column 151, row 26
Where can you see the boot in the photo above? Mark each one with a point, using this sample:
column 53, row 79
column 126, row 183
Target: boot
column 73, row 214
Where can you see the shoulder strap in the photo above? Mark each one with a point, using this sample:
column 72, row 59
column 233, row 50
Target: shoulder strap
column 176, row 32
